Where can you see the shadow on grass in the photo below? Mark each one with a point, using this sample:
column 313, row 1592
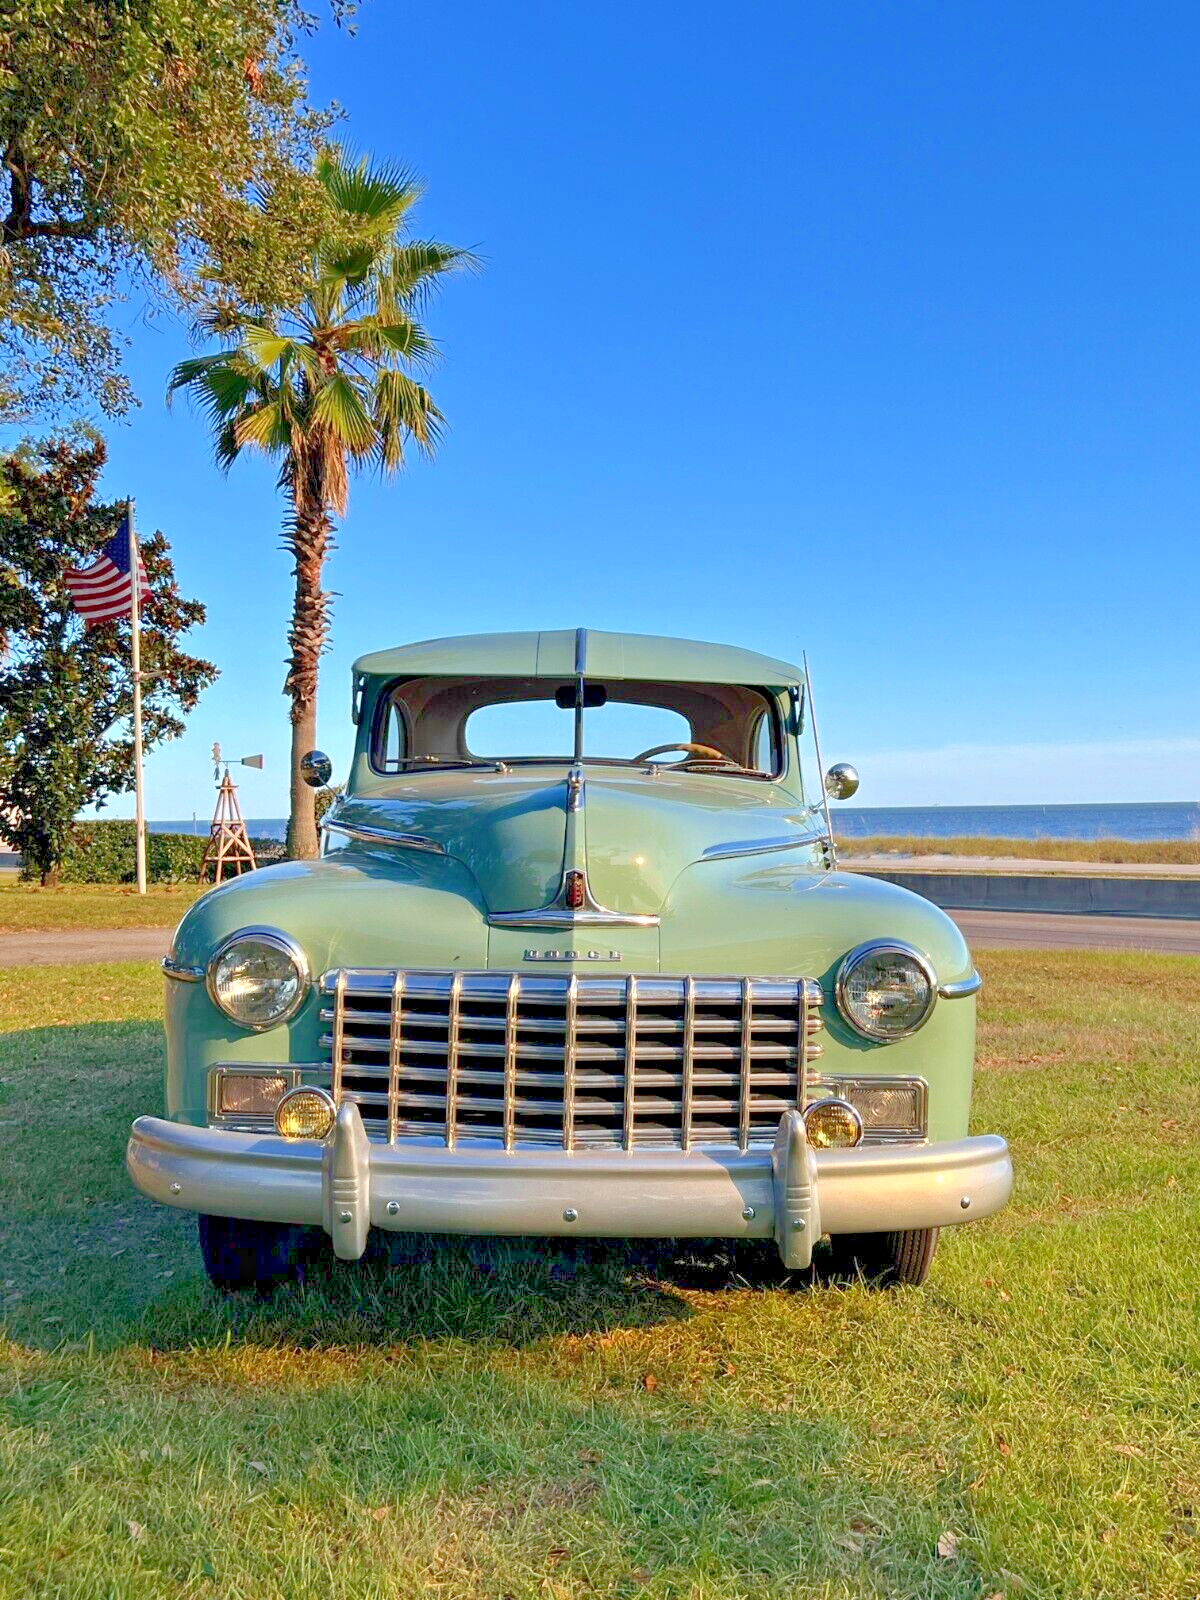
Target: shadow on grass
column 84, row 1257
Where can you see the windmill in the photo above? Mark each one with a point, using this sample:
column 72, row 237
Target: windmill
column 228, row 842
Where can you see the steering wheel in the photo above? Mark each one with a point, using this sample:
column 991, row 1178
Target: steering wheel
column 705, row 751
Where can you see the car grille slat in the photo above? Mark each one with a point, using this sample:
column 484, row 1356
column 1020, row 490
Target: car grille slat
column 570, row 1061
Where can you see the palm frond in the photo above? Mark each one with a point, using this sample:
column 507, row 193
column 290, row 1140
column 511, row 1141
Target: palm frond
column 186, row 374
column 371, row 336
column 266, row 348
column 265, row 427
column 413, row 271
column 403, row 409
column 338, row 407
column 375, row 198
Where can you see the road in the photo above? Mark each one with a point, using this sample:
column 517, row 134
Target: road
column 1046, row 930
column 985, row 930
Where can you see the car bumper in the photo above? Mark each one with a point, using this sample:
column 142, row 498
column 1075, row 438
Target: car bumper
column 350, row 1184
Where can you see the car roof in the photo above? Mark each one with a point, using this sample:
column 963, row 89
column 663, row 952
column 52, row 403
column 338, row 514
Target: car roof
column 563, row 652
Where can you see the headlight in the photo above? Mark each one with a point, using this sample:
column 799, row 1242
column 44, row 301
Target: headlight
column 886, row 991
column 258, row 978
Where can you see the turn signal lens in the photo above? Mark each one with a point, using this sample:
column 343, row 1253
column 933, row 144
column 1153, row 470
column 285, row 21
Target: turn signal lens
column 249, row 1094
column 305, row 1114
column 832, row 1125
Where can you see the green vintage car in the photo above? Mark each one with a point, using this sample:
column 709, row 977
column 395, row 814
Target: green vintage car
column 576, row 959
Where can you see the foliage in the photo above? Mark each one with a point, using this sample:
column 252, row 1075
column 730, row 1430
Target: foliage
column 325, row 798
column 498, row 1420
column 103, row 852
column 66, row 691
column 164, row 144
column 332, row 384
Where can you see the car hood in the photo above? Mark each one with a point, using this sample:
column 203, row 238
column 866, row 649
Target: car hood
column 635, row 833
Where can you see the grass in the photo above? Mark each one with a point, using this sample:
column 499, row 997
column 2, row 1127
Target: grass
column 567, row 1428
column 27, row 907
column 1165, row 852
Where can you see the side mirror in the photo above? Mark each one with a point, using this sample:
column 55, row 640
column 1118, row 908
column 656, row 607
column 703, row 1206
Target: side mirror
column 841, row 781
column 316, row 769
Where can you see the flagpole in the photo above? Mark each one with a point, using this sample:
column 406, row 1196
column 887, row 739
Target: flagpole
column 135, row 618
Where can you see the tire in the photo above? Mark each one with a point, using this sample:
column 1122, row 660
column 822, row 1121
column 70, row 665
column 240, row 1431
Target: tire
column 239, row 1254
column 886, row 1259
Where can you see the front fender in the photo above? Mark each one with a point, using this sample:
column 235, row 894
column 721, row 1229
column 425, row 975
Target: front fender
column 779, row 916
column 353, row 908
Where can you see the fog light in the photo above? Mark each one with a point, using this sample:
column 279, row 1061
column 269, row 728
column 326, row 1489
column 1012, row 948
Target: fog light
column 249, row 1094
column 832, row 1125
column 305, row 1114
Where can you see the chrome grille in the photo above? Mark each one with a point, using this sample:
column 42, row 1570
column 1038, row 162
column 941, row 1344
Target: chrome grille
column 570, row 1060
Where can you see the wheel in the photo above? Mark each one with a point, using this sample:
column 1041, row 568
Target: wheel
column 239, row 1254
column 886, row 1258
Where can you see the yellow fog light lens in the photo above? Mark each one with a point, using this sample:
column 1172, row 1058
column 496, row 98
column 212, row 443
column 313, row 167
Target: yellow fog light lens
column 305, row 1114
column 832, row 1125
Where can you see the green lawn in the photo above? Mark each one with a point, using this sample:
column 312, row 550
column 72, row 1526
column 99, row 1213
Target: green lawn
column 559, row 1430
column 1162, row 852
column 26, row 906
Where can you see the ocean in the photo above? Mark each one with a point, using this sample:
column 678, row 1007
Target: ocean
column 1151, row 819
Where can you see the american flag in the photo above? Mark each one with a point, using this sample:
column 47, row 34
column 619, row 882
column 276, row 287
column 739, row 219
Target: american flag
column 104, row 590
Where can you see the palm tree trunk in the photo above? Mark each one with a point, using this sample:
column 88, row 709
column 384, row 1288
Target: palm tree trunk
column 308, row 538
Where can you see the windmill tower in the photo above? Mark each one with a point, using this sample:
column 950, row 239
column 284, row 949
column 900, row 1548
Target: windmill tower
column 228, row 847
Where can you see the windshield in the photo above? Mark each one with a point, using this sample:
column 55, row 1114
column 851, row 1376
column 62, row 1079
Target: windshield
column 700, row 727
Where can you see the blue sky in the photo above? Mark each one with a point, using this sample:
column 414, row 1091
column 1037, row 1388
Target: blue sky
column 865, row 329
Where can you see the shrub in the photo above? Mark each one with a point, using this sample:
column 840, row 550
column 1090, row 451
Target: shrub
column 104, row 852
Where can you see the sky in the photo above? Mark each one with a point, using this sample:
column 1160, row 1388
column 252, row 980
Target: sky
column 863, row 329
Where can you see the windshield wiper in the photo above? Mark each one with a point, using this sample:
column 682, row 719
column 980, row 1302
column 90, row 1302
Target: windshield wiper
column 491, row 763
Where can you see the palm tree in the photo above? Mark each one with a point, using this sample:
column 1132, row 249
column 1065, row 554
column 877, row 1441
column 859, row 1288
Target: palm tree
column 326, row 387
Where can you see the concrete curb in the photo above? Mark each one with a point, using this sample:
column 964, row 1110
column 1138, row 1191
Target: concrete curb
column 1078, row 896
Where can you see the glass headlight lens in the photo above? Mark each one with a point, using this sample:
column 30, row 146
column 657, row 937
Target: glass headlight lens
column 258, row 978
column 885, row 991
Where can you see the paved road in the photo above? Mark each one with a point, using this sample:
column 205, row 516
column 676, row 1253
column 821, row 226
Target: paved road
column 897, row 861
column 1045, row 930
column 65, row 947
column 986, row 930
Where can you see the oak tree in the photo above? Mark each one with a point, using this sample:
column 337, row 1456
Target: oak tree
column 66, row 691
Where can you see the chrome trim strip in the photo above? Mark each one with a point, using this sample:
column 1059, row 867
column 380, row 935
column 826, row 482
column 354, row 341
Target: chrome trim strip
column 961, row 990
column 757, row 847
column 627, row 1109
column 559, row 917
column 172, row 969
column 339, row 1027
column 403, row 841
column 746, row 1059
column 510, row 1061
column 569, row 1047
column 872, row 947
column 575, row 789
column 689, row 1062
column 453, row 1033
column 395, row 1039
